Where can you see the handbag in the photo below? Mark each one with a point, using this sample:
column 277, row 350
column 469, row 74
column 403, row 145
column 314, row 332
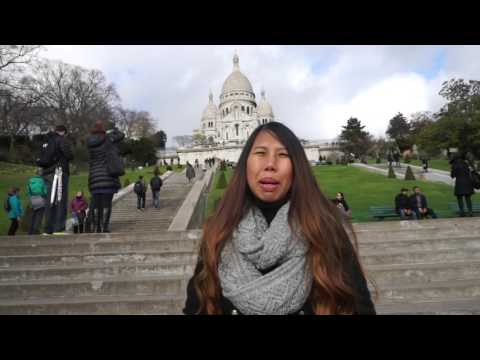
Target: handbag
column 37, row 202
column 475, row 176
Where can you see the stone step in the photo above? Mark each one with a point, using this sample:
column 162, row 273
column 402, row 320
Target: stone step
column 409, row 245
column 144, row 257
column 424, row 273
column 35, row 240
column 453, row 307
column 393, row 225
column 96, row 305
column 420, row 234
column 419, row 257
column 432, row 291
column 96, row 271
column 119, row 286
column 67, row 248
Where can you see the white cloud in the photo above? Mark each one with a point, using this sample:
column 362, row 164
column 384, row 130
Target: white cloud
column 312, row 89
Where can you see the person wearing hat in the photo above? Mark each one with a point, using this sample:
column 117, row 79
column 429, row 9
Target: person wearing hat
column 56, row 176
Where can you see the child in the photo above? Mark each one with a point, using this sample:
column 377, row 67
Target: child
column 37, row 194
column 15, row 210
column 78, row 206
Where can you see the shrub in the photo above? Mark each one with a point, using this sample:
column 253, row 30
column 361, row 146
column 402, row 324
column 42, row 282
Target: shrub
column 169, row 168
column 409, row 174
column 391, row 173
column 222, row 181
column 127, row 182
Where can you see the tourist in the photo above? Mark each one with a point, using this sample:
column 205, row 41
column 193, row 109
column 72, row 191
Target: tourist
column 140, row 188
column 37, row 193
column 390, row 159
column 102, row 184
column 425, row 164
column 54, row 160
column 78, row 207
column 155, row 185
column 396, row 157
column 419, row 205
column 270, row 249
column 402, row 204
column 14, row 208
column 190, row 172
column 463, row 183
column 342, row 205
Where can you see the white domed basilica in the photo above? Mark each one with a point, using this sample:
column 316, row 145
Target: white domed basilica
column 238, row 113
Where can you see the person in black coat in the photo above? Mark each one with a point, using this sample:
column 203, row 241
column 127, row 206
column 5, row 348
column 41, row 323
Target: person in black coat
column 278, row 246
column 463, row 184
column 342, row 205
column 101, row 184
column 419, row 205
column 61, row 153
column 402, row 204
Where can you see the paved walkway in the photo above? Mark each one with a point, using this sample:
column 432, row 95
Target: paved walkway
column 432, row 174
column 126, row 217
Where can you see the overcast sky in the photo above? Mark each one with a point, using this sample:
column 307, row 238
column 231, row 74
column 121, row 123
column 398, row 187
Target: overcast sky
column 312, row 89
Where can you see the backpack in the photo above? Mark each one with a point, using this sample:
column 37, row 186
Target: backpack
column 6, row 204
column 156, row 183
column 475, row 177
column 138, row 187
column 35, row 185
column 47, row 156
column 114, row 163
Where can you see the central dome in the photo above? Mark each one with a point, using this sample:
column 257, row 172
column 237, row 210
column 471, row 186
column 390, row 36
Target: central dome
column 236, row 81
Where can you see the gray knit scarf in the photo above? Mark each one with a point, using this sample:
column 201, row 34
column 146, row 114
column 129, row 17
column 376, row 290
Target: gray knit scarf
column 255, row 246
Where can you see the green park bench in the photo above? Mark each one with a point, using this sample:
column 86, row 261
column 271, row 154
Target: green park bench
column 453, row 206
column 381, row 212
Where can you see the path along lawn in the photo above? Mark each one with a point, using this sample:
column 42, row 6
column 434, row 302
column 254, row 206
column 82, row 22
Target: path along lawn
column 363, row 189
column 18, row 175
column 439, row 164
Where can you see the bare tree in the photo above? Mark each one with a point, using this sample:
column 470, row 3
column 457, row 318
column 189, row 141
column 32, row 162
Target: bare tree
column 74, row 96
column 14, row 60
column 135, row 124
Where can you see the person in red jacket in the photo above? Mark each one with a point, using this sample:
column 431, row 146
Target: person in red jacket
column 78, row 207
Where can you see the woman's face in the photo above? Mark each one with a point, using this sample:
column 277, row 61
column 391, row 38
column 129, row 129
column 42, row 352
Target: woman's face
column 79, row 194
column 269, row 168
column 339, row 196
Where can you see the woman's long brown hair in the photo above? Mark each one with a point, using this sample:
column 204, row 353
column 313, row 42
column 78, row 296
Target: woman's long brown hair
column 315, row 217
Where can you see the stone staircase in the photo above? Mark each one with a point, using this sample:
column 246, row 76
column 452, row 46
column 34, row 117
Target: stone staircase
column 139, row 268
column 420, row 267
column 424, row 267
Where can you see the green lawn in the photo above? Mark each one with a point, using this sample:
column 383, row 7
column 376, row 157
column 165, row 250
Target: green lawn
column 363, row 189
column 18, row 175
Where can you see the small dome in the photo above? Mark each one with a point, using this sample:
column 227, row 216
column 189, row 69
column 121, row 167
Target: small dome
column 211, row 109
column 236, row 81
column 264, row 108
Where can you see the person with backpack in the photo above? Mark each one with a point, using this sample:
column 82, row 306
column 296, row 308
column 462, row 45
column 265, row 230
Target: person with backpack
column 55, row 157
column 190, row 172
column 105, row 168
column 78, row 207
column 140, row 188
column 37, row 193
column 155, row 184
column 14, row 208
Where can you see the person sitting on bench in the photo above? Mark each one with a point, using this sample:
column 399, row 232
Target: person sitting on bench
column 402, row 205
column 418, row 203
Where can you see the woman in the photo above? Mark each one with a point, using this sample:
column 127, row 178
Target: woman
column 275, row 244
column 342, row 205
column 101, row 184
column 463, row 184
column 78, row 207
column 190, row 172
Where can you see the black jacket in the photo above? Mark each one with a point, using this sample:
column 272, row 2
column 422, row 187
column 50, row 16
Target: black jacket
column 402, row 202
column 463, row 181
column 364, row 304
column 413, row 201
column 62, row 154
column 98, row 177
column 152, row 183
